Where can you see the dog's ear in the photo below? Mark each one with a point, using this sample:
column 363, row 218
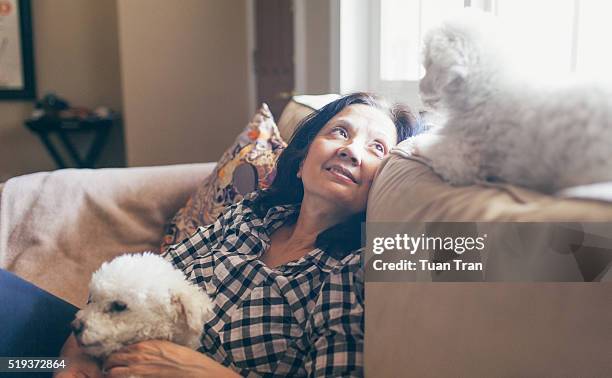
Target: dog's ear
column 193, row 307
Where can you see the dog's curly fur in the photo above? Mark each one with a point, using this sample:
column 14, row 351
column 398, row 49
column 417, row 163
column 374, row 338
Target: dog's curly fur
column 140, row 297
column 498, row 124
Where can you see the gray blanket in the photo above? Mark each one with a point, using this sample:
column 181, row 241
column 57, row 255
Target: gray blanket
column 56, row 228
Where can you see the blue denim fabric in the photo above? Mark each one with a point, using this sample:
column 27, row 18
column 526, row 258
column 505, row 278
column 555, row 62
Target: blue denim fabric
column 33, row 323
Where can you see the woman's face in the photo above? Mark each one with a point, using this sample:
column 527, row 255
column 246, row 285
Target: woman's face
column 343, row 158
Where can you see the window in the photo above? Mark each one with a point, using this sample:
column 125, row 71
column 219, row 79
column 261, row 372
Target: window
column 402, row 24
column 559, row 36
column 541, row 33
column 395, row 66
column 593, row 56
column 548, row 36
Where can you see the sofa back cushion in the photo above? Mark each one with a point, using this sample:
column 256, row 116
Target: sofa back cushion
column 407, row 190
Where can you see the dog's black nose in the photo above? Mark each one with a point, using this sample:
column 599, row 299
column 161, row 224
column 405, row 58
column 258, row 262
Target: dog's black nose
column 77, row 326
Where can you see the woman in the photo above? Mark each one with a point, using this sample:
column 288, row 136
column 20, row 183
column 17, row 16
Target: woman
column 283, row 265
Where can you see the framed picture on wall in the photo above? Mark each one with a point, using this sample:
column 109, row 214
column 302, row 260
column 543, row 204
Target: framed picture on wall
column 16, row 54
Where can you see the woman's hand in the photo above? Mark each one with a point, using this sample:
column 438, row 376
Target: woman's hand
column 80, row 365
column 157, row 358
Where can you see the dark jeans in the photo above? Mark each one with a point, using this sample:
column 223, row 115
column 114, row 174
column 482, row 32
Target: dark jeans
column 33, row 323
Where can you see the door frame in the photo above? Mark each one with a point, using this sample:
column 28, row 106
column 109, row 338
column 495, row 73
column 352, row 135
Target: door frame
column 299, row 50
column 251, row 84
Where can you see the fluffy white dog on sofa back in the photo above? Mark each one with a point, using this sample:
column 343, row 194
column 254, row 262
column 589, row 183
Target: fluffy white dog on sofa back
column 499, row 124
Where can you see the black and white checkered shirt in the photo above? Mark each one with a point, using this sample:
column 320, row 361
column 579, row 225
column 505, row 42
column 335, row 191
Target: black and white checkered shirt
column 304, row 318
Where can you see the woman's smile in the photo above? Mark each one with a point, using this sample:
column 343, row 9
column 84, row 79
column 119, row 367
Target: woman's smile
column 341, row 173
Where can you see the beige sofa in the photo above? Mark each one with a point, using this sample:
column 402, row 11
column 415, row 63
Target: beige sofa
column 495, row 329
column 57, row 227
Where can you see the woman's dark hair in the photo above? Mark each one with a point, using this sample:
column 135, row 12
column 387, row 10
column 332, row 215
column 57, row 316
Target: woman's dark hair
column 287, row 188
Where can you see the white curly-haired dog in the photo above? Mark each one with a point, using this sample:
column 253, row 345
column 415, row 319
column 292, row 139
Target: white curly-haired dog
column 140, row 297
column 500, row 125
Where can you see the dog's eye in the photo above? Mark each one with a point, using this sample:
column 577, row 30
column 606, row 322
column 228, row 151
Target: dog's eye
column 117, row 306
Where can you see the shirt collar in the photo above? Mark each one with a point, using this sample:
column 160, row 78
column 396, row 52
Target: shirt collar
column 278, row 215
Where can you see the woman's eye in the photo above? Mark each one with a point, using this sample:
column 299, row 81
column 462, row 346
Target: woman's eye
column 340, row 131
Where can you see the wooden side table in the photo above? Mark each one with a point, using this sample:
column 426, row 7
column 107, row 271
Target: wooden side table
column 45, row 126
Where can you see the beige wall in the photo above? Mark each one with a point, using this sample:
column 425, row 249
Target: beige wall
column 184, row 74
column 76, row 56
column 78, row 50
column 177, row 73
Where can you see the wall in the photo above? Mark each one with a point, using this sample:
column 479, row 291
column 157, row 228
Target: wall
column 312, row 28
column 178, row 74
column 317, row 46
column 184, row 78
column 76, row 56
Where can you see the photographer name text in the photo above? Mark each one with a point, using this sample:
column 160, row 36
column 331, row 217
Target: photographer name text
column 426, row 265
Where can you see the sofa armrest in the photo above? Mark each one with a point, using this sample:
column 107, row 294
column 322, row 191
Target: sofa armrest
column 480, row 329
column 56, row 228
